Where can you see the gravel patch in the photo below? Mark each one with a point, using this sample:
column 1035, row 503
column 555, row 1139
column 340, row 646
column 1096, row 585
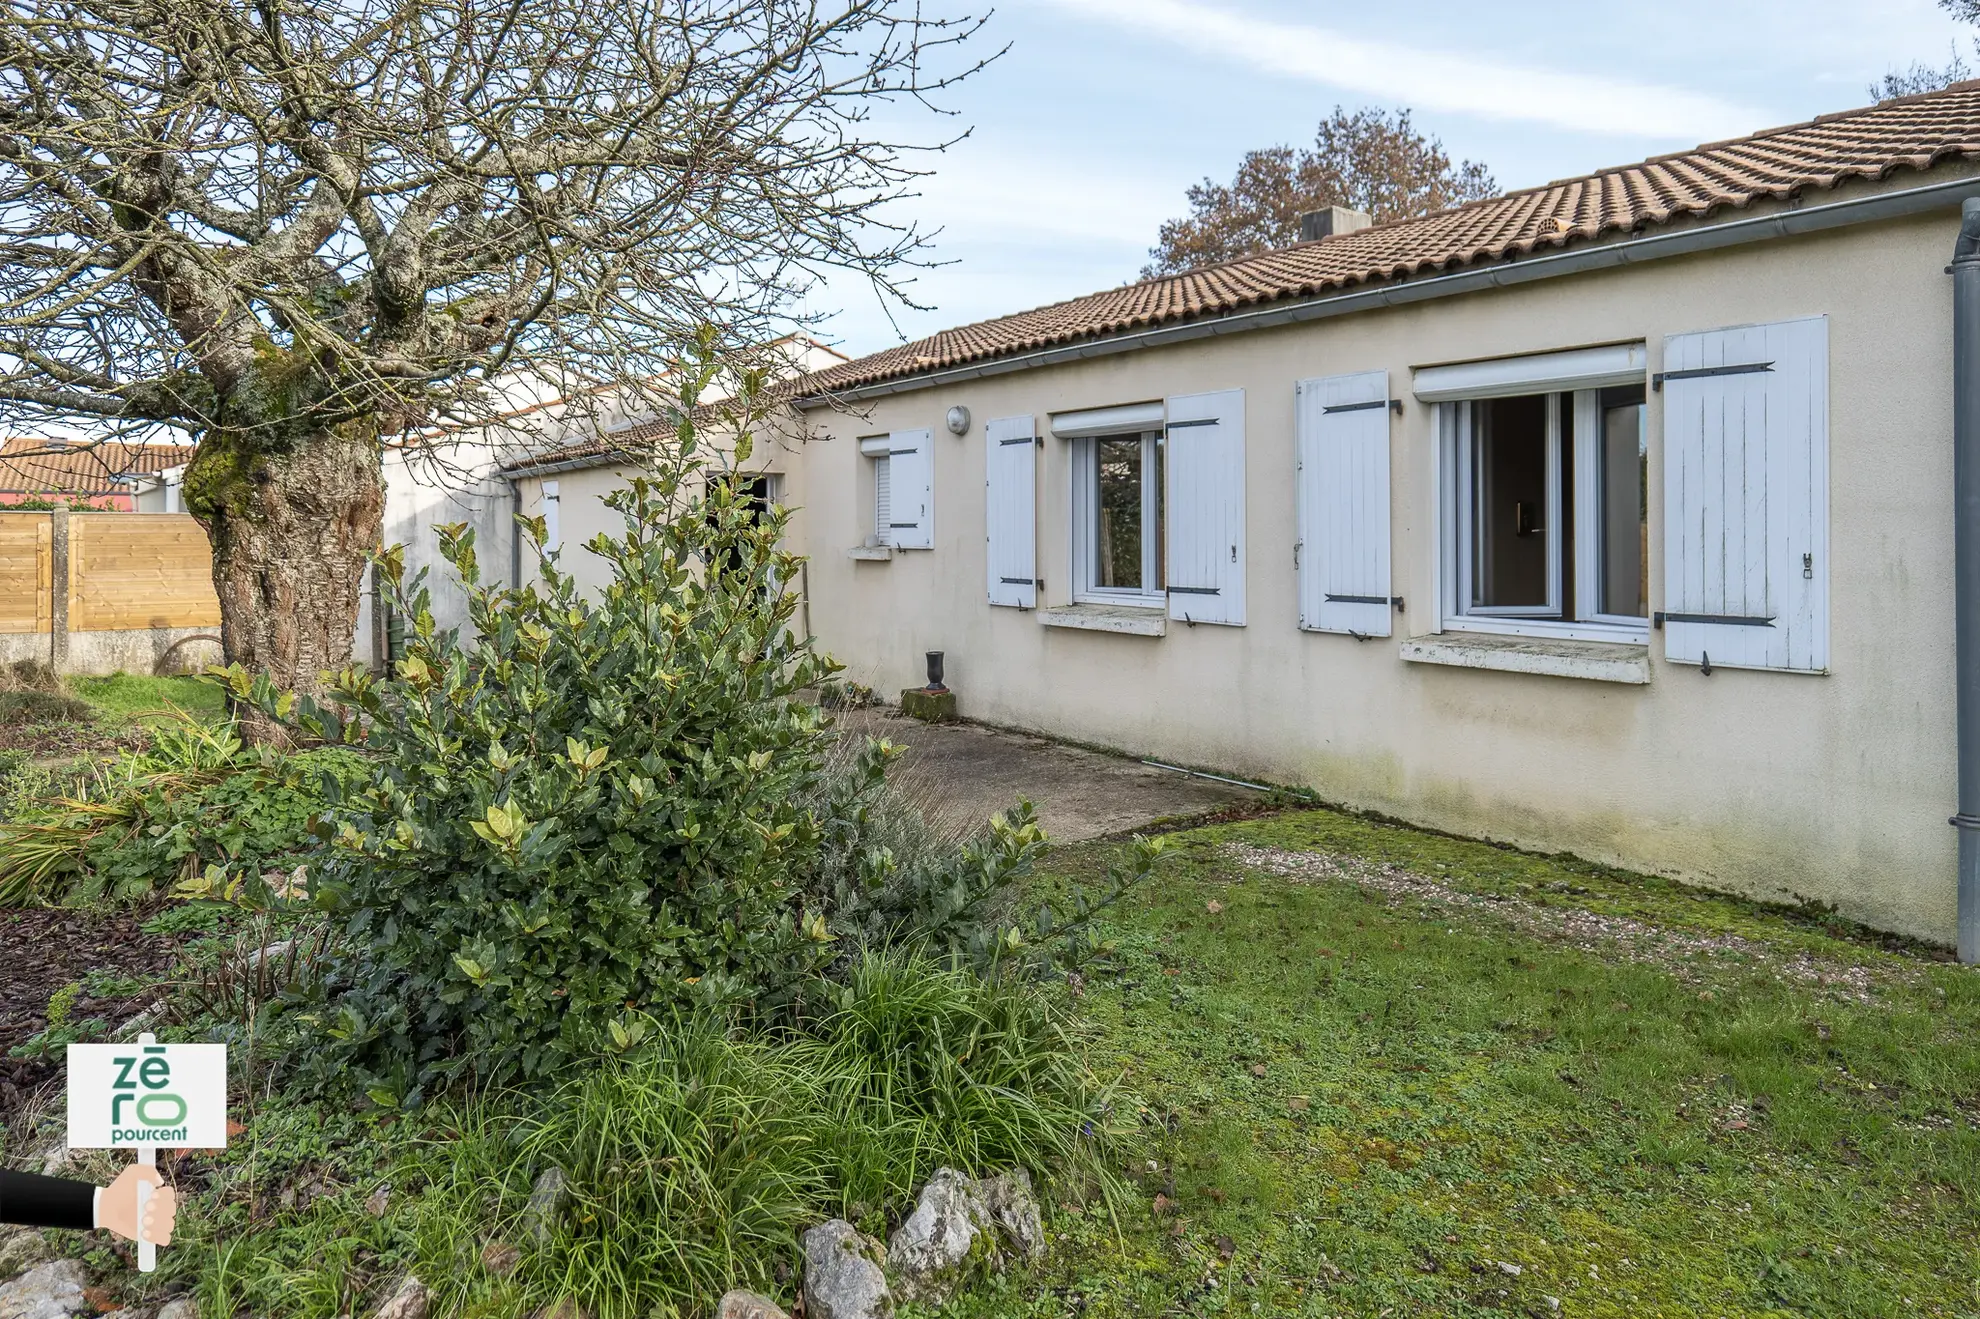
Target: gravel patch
column 1685, row 953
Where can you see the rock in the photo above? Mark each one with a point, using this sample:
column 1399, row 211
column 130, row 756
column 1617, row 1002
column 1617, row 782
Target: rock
column 932, row 1249
column 280, row 948
column 1014, row 1209
column 748, row 1305
column 548, row 1199
column 565, row 1308
column 842, row 1274
column 408, row 1302
column 53, row 1290
column 179, row 1307
column 379, row 1200
column 23, row 1250
column 56, row 1156
column 500, row 1258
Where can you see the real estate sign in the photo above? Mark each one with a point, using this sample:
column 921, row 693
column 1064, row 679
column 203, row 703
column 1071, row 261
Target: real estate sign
column 140, row 1095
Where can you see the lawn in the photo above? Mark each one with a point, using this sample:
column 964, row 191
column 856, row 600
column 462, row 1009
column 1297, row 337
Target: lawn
column 126, row 697
column 1399, row 1074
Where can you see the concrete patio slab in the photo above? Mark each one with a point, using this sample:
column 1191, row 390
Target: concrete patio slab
column 974, row 771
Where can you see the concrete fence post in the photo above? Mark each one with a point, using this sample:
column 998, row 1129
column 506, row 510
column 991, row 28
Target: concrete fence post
column 58, row 586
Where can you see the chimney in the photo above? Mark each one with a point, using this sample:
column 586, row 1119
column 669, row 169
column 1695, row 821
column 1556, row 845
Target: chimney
column 1332, row 221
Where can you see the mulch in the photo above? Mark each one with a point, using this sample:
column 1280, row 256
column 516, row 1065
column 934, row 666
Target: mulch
column 41, row 950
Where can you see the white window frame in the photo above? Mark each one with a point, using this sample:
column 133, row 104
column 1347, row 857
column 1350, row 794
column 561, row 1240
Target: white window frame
column 1453, row 428
column 1085, row 521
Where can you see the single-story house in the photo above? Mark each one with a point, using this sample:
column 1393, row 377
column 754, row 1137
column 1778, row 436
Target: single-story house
column 1614, row 516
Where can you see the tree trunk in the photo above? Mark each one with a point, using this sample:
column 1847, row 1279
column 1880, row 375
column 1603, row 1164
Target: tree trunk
column 290, row 531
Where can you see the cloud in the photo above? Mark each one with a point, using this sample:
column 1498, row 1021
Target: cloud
column 1431, row 79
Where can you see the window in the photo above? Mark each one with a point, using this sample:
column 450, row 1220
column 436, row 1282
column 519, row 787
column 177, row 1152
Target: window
column 880, row 464
column 1117, row 519
column 553, row 530
column 1547, row 512
column 903, row 488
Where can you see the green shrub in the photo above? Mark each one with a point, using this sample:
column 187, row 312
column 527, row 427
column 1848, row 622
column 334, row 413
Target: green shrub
column 593, row 804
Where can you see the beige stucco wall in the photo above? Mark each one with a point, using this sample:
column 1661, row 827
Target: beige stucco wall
column 1831, row 788
column 583, row 515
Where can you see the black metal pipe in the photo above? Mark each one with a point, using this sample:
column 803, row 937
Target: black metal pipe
column 1965, row 271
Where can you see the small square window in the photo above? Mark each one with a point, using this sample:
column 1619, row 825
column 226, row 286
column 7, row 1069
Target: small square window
column 1117, row 519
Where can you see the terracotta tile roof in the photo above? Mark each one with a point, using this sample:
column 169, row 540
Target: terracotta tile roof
column 1914, row 133
column 35, row 466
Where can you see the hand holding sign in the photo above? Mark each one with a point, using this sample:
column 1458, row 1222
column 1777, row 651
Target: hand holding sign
column 140, row 1096
column 117, row 1208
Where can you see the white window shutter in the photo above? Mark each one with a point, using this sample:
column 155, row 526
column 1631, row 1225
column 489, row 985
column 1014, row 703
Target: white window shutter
column 911, row 470
column 1011, row 511
column 1341, row 441
column 1746, row 497
column 1205, row 464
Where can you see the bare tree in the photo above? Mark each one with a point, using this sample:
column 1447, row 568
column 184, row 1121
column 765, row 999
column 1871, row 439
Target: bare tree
column 289, row 227
column 1369, row 160
column 1920, row 77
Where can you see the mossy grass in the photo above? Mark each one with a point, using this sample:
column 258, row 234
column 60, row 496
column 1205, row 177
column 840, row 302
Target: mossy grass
column 1370, row 1104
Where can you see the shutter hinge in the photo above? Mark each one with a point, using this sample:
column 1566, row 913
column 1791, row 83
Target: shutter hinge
column 1660, row 618
column 1699, row 372
column 1394, row 403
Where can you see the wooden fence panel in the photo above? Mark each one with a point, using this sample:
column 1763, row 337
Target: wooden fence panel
column 25, row 572
column 139, row 570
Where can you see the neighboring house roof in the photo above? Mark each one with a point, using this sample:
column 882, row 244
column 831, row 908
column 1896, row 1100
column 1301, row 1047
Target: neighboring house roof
column 1914, row 133
column 36, row 466
column 629, row 444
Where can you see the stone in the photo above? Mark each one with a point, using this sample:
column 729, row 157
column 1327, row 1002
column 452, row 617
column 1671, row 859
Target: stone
column 929, row 707
column 379, row 1200
column 53, row 1290
column 1014, row 1209
column 748, row 1305
column 273, row 952
column 563, row 1308
column 179, row 1307
column 549, row 1198
column 408, row 1302
column 842, row 1274
column 23, row 1250
column 500, row 1258
column 933, row 1247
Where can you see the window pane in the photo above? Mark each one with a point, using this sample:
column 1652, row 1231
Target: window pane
column 1117, row 551
column 1509, row 503
column 1625, row 504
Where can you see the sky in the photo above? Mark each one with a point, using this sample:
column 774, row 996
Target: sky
column 1084, row 134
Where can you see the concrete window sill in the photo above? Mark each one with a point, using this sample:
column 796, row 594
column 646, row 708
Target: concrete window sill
column 1553, row 657
column 871, row 553
column 1123, row 619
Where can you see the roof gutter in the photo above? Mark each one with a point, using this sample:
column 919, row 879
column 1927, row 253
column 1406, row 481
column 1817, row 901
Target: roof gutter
column 1787, row 223
column 610, row 458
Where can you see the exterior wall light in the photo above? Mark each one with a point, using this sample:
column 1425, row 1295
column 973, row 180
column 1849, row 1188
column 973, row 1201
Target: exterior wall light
column 958, row 421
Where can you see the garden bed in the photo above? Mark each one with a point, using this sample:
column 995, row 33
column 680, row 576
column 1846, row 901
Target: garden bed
column 45, row 951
